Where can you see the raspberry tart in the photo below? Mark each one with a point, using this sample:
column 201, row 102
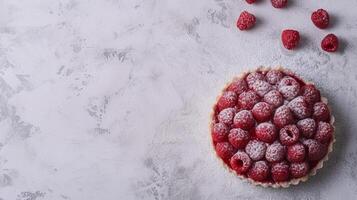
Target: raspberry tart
column 272, row 128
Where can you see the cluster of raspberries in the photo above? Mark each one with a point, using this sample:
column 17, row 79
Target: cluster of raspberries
column 290, row 38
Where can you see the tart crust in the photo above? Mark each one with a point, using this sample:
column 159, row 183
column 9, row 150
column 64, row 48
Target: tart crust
column 294, row 181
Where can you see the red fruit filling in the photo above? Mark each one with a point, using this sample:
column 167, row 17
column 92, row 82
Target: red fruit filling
column 228, row 99
column 240, row 162
column 262, row 111
column 274, row 98
column 275, row 152
column 280, row 172
column 289, row 135
column 245, row 21
column 307, row 127
column 259, row 171
column 244, row 120
column 271, row 126
column 256, row 149
column 330, row 43
column 266, row 132
column 296, row 153
column 290, row 39
column 247, row 100
column 250, row 1
column 321, row 112
column 283, row 116
column 320, row 18
column 279, row 3
column 238, row 137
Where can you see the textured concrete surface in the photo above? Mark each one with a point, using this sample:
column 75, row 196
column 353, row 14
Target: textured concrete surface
column 110, row 99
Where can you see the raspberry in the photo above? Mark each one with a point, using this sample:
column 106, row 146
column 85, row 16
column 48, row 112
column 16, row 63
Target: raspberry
column 279, row 3
column 219, row 132
column 307, row 127
column 296, row 153
column 226, row 116
column 324, row 132
column 262, row 111
column 244, row 120
column 261, row 87
column 280, row 172
column 225, row 150
column 238, row 137
column 298, row 170
column 252, row 77
column 240, row 162
column 238, row 86
column 248, row 99
column 289, row 87
column 250, row 1
column 266, row 132
column 315, row 150
column 289, row 135
column 274, row 98
column 256, row 149
column 259, row 171
column 283, row 117
column 290, row 38
column 275, row 152
column 320, row 18
column 330, row 43
column 228, row 99
column 245, row 21
column 311, row 94
column 300, row 107
column 274, row 76
column 321, row 112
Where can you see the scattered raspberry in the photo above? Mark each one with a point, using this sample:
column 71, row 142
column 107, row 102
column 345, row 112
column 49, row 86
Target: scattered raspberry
column 250, row 1
column 238, row 86
column 266, row 132
column 315, row 150
column 261, row 87
column 324, row 132
column 311, row 94
column 289, row 87
column 289, row 135
column 259, row 171
column 321, row 112
column 280, row 172
column 262, row 111
column 238, row 137
column 274, row 76
column 245, row 21
column 240, row 162
column 252, row 77
column 279, row 3
column 274, row 98
column 330, row 43
column 226, row 116
column 283, row 116
column 300, row 107
column 244, row 120
column 219, row 132
column 248, row 99
column 275, row 152
column 307, row 127
column 298, row 170
column 296, row 153
column 225, row 150
column 256, row 149
column 320, row 18
column 290, row 38
column 228, row 99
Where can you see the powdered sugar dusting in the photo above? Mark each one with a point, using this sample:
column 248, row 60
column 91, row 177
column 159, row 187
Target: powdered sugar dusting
column 274, row 98
column 256, row 149
column 252, row 77
column 274, row 76
column 261, row 87
column 226, row 115
column 289, row 87
column 299, row 107
column 275, row 152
